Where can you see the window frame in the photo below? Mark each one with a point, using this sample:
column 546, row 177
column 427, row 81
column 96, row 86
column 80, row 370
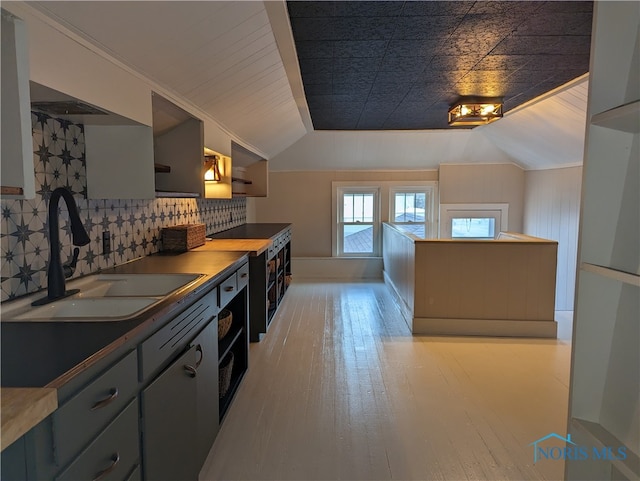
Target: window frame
column 339, row 224
column 499, row 212
column 429, row 188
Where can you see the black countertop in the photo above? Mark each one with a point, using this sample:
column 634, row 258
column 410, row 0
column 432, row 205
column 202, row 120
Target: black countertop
column 50, row 354
column 252, row 231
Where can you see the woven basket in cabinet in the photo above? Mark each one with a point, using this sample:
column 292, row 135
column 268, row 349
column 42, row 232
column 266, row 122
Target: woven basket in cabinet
column 224, row 375
column 224, row 322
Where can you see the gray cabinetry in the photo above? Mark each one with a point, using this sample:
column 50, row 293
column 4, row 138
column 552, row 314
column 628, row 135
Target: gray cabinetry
column 14, row 461
column 275, row 281
column 171, row 339
column 86, row 414
column 113, row 455
column 151, row 408
column 169, row 422
column 233, row 347
column 206, row 344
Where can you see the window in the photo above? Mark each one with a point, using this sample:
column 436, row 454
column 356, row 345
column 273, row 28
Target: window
column 358, row 222
column 473, row 221
column 412, row 208
column 473, row 228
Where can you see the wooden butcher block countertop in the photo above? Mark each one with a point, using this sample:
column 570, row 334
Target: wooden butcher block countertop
column 254, row 247
column 23, row 408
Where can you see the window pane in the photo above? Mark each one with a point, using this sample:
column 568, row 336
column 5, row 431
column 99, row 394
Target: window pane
column 358, row 239
column 367, row 208
column 357, row 208
column 410, row 207
column 468, row 227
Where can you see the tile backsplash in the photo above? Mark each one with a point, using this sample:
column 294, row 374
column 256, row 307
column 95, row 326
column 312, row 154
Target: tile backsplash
column 134, row 225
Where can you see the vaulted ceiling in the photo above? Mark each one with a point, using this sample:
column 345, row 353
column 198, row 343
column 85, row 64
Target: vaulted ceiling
column 276, row 75
column 396, row 65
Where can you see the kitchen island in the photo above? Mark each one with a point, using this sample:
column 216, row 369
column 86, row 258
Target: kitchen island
column 501, row 287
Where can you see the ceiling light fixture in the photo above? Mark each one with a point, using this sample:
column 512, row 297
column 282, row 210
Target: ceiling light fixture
column 212, row 174
column 475, row 111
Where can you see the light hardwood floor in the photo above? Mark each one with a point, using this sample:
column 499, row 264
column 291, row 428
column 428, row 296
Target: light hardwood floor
column 339, row 389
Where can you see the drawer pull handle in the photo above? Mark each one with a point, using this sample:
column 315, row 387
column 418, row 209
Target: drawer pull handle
column 113, row 394
column 228, row 288
column 193, row 372
column 115, row 459
column 199, row 361
column 243, row 275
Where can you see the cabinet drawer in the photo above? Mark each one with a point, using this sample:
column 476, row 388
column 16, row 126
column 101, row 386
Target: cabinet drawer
column 135, row 475
column 113, row 454
column 159, row 349
column 83, row 416
column 228, row 289
column 243, row 276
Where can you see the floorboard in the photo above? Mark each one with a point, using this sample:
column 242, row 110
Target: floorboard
column 340, row 389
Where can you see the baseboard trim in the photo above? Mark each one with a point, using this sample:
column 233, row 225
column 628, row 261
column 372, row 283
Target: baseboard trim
column 486, row 327
column 337, row 267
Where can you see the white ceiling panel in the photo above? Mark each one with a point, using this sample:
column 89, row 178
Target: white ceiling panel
column 546, row 134
column 219, row 56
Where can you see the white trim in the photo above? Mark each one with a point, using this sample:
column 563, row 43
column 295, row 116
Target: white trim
column 447, row 211
column 430, row 188
column 340, row 192
column 556, row 167
column 616, row 275
column 337, row 267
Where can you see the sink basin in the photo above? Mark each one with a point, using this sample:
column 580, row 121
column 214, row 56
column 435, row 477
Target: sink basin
column 102, row 297
column 86, row 309
column 130, row 285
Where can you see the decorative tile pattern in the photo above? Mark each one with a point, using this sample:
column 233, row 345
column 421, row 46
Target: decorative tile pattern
column 134, row 225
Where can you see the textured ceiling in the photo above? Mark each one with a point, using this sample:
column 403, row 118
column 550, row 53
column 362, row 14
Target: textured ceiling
column 394, row 65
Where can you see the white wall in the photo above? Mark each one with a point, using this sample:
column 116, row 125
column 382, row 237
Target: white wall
column 487, row 184
column 552, row 211
column 304, row 199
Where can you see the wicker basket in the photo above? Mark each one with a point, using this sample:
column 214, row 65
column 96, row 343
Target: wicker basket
column 224, row 375
column 180, row 238
column 287, row 280
column 224, row 322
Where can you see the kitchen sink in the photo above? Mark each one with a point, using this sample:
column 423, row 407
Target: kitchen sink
column 133, row 285
column 85, row 308
column 102, row 297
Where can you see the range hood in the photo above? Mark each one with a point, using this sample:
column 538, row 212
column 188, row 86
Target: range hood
column 66, row 107
column 58, row 104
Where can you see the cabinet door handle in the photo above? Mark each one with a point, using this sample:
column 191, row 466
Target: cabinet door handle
column 243, row 275
column 191, row 370
column 228, row 288
column 115, row 459
column 113, row 394
column 199, row 361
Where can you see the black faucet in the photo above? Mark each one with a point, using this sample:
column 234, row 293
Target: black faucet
column 56, row 272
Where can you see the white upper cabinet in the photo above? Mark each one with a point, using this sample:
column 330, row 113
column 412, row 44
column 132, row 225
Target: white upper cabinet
column 178, row 145
column 250, row 173
column 17, row 157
